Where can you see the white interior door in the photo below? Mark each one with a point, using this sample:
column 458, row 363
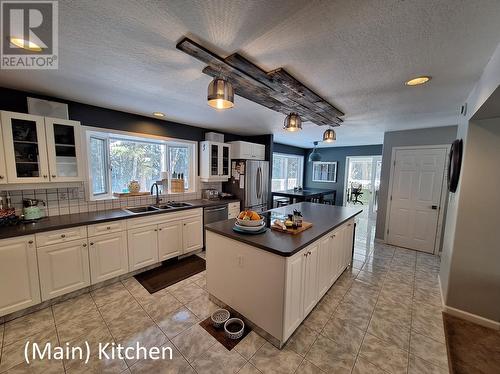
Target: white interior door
column 417, row 182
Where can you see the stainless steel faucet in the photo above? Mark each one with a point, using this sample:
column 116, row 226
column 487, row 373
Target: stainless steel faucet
column 158, row 200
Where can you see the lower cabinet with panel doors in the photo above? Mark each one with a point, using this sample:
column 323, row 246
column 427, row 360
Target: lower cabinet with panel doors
column 63, row 268
column 19, row 284
column 280, row 291
column 143, row 246
column 108, row 256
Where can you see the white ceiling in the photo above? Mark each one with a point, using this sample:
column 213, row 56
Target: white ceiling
column 357, row 54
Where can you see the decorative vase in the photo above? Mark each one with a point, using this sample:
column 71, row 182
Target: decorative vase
column 134, row 187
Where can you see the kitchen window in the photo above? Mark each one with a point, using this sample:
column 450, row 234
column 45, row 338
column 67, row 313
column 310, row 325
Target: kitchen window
column 115, row 159
column 287, row 171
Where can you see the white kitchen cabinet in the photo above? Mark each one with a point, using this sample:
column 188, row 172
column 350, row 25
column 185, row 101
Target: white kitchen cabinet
column 63, row 268
column 64, row 150
column 170, row 242
column 325, row 264
column 311, row 291
column 247, row 151
column 192, row 234
column 25, row 148
column 19, row 284
column 215, row 161
column 142, row 247
column 294, row 303
column 3, row 169
column 108, row 256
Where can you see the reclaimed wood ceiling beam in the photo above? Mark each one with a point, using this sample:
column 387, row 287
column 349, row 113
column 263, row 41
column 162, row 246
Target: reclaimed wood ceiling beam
column 277, row 90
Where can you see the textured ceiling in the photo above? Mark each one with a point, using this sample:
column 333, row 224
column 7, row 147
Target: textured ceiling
column 357, row 54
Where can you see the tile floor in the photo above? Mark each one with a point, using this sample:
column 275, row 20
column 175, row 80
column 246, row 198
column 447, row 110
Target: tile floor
column 381, row 316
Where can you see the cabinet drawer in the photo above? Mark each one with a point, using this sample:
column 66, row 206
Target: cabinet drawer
column 61, row 236
column 107, row 227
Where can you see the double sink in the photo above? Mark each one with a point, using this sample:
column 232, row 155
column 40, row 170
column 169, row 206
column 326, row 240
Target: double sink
column 155, row 208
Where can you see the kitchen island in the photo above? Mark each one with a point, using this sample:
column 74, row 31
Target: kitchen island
column 275, row 279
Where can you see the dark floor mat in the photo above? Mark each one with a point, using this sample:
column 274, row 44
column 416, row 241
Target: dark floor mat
column 170, row 272
column 221, row 336
column 471, row 348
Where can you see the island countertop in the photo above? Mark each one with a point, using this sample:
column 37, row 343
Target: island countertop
column 323, row 217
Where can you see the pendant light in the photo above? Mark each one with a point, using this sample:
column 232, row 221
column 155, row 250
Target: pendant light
column 329, row 136
column 220, row 94
column 293, row 122
column 315, row 155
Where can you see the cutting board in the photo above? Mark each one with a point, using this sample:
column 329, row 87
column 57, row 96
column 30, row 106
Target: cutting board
column 130, row 194
column 304, row 227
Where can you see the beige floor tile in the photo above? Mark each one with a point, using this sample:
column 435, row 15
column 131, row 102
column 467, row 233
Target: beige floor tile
column 148, row 337
column 107, row 294
column 202, row 282
column 71, row 329
column 419, row 366
column 45, row 367
column 389, row 331
column 28, row 325
column 162, row 307
column 306, row 367
column 270, row 360
column 344, row 333
column 428, row 322
column 120, row 308
column 363, row 366
column 140, row 294
column 217, row 359
column 202, row 307
column 301, row 340
column 188, row 293
column 386, row 356
column 317, row 319
column 427, row 296
column 376, row 277
column 250, row 344
column 175, row 322
column 248, row 368
column 331, row 356
column 73, row 308
column 178, row 365
column 193, row 342
column 428, row 349
column 13, row 354
column 355, row 315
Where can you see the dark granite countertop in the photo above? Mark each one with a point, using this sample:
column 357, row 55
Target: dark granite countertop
column 90, row 218
column 323, row 217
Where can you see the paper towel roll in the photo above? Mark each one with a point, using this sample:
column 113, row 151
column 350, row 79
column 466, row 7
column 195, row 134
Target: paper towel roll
column 164, row 175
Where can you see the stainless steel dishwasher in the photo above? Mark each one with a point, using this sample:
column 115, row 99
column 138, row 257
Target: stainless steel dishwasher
column 213, row 214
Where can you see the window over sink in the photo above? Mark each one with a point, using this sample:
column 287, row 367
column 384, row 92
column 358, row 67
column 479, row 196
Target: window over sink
column 115, row 159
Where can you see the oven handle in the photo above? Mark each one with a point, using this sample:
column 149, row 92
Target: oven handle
column 215, row 210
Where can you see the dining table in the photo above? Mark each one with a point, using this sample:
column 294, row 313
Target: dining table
column 299, row 195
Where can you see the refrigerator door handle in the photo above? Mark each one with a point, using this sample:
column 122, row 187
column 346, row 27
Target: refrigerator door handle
column 259, row 183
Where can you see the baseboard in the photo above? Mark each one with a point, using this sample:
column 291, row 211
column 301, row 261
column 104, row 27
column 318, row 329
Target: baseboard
column 377, row 240
column 474, row 318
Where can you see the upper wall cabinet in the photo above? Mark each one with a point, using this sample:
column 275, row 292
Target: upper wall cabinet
column 63, row 149
column 3, row 170
column 215, row 161
column 39, row 149
column 247, row 151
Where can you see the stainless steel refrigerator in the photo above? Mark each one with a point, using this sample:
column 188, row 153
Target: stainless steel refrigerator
column 249, row 182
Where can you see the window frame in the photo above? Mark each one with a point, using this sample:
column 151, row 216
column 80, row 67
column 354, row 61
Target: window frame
column 316, row 163
column 301, row 166
column 108, row 135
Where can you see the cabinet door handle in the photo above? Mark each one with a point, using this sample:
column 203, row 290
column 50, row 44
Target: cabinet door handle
column 63, row 236
column 84, row 245
column 108, row 228
column 1, row 176
column 91, row 243
column 30, row 242
column 159, row 229
column 53, row 176
column 309, row 253
column 156, row 229
column 45, row 176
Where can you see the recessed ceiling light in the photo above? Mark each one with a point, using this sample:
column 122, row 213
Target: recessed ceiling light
column 418, row 81
column 159, row 114
column 24, row 44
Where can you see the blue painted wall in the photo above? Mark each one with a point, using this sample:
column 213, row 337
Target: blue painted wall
column 338, row 154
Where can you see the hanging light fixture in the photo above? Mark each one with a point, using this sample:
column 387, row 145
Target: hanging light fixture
column 329, row 136
column 220, row 94
column 293, row 122
column 315, row 155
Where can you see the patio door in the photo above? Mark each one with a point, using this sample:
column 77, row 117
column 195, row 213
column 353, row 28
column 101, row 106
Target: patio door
column 363, row 182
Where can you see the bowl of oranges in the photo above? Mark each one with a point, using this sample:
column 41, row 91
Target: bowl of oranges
column 250, row 218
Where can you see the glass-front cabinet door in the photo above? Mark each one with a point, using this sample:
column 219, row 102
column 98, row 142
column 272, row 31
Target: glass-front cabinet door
column 3, row 170
column 214, row 160
column 225, row 161
column 63, row 150
column 25, row 148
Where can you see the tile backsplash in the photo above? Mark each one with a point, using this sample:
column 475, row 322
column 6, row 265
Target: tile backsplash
column 72, row 200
